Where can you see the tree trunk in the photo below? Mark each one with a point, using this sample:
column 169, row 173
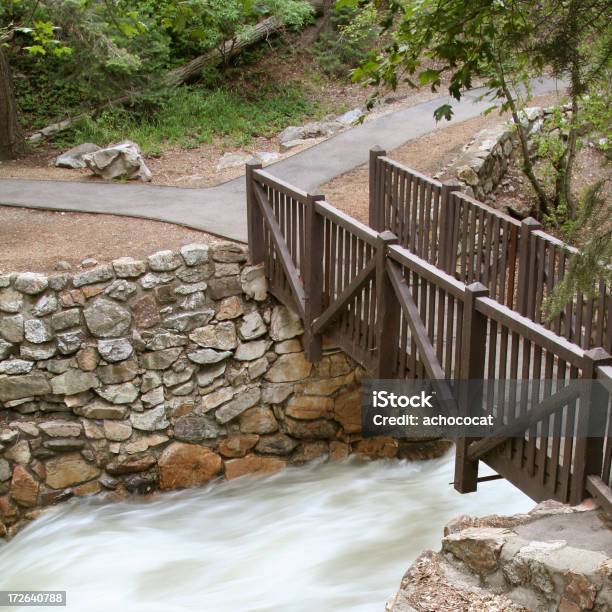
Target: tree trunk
column 565, row 191
column 11, row 138
column 229, row 49
column 527, row 166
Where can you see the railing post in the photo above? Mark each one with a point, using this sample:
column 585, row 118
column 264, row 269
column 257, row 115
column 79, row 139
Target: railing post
column 588, row 454
column 527, row 264
column 387, row 311
column 447, row 226
column 313, row 275
column 472, row 355
column 376, row 218
column 254, row 217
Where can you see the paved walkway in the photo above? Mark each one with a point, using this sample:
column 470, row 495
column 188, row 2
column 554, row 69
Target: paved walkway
column 221, row 210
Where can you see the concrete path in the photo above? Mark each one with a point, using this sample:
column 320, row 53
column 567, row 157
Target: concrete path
column 221, row 210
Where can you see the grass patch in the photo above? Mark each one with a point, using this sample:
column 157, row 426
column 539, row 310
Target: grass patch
column 190, row 116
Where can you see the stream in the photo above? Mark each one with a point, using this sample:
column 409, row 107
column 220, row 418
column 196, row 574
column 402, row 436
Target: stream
column 326, row 537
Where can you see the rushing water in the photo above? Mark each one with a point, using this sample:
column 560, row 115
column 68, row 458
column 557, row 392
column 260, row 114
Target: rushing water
column 319, row 538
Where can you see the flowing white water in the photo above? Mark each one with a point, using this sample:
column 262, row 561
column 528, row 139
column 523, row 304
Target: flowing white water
column 333, row 537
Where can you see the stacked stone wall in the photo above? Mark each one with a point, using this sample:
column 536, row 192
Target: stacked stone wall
column 483, row 163
column 161, row 373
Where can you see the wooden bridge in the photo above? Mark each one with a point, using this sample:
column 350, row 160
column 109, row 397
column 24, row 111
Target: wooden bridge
column 441, row 286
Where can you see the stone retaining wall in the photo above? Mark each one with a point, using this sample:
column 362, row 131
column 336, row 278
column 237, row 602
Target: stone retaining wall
column 162, row 373
column 484, row 160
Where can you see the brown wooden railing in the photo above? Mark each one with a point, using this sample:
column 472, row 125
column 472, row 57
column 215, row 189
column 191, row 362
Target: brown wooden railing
column 419, row 296
column 517, row 261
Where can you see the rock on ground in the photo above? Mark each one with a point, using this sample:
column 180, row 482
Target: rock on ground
column 123, row 160
column 233, row 160
column 73, row 158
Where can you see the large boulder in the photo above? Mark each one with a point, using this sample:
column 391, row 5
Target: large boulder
column 123, row 160
column 187, row 465
column 73, row 158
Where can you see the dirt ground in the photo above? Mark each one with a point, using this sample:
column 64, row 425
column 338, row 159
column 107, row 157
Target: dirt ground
column 35, row 240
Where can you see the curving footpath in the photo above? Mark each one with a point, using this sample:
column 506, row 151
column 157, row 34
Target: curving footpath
column 221, row 210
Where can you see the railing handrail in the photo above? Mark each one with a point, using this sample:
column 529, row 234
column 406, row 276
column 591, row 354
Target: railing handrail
column 517, row 260
column 428, row 179
column 366, row 233
column 554, row 240
column 534, row 332
column 268, row 179
column 423, row 268
column 485, row 207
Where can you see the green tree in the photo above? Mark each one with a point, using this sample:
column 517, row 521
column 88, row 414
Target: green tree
column 79, row 54
column 206, row 24
column 591, row 265
column 505, row 45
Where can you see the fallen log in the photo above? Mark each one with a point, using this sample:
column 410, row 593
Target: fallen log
column 228, row 50
column 177, row 76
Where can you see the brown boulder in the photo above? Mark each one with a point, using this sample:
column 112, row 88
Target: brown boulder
column 377, row 448
column 308, row 451
column 88, row 488
column 287, row 368
column 187, row 465
column 418, row 450
column 338, row 451
column 478, row 547
column 333, row 365
column 8, row 510
column 258, row 420
column 24, row 487
column 347, row 411
column 276, row 444
column 129, row 465
column 229, row 308
column 146, row 312
column 317, row 430
column 238, row 446
column 307, row 407
column 252, row 464
column 68, row 470
column 580, row 590
column 327, row 386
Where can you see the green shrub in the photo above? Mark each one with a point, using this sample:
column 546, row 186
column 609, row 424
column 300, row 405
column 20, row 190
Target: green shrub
column 190, row 116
